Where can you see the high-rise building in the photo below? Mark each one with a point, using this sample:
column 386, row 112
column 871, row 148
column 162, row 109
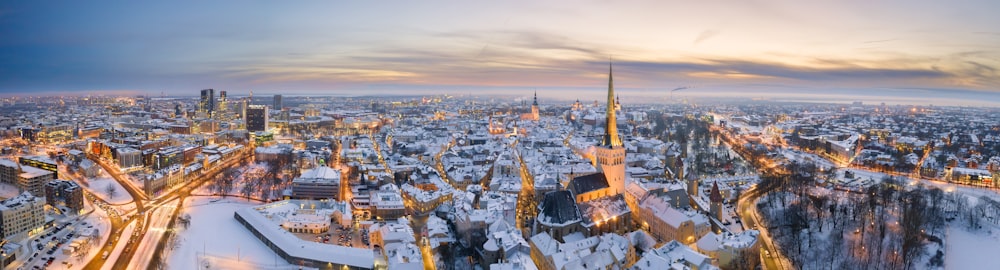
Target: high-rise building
column 277, row 102
column 207, row 103
column 610, row 153
column 223, row 102
column 256, row 118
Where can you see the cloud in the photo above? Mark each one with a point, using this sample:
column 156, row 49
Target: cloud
column 705, row 35
column 748, row 70
column 880, row 41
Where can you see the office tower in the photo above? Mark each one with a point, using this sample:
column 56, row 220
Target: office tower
column 256, row 118
column 277, row 102
column 207, row 103
column 223, row 102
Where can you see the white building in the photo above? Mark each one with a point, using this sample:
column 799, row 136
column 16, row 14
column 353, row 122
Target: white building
column 21, row 216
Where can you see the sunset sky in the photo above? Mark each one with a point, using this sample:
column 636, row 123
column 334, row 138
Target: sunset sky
column 902, row 48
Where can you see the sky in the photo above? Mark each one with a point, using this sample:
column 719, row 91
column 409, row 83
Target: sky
column 757, row 48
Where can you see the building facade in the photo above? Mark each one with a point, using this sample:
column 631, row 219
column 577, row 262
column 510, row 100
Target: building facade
column 64, row 193
column 21, row 216
column 207, row 102
column 257, row 118
column 319, row 183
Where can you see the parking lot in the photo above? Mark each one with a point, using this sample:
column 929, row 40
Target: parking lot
column 339, row 235
column 48, row 247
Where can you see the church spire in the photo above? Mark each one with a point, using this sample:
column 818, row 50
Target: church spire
column 611, row 130
column 536, row 98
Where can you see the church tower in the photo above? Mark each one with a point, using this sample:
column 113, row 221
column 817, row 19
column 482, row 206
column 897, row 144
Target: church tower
column 611, row 153
column 534, row 108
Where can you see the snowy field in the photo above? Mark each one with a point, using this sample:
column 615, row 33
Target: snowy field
column 967, row 250
column 214, row 231
column 99, row 187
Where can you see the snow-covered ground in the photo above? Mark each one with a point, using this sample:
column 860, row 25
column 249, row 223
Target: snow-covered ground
column 99, row 186
column 792, row 154
column 968, row 250
column 214, row 231
column 8, row 191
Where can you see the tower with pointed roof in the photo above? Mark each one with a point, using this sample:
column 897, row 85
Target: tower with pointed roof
column 716, row 201
column 534, row 107
column 611, row 153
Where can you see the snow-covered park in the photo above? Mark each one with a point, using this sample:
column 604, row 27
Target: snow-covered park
column 109, row 190
column 970, row 250
column 215, row 237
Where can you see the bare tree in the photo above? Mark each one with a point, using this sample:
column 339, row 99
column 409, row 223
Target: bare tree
column 111, row 190
column 226, row 181
column 248, row 189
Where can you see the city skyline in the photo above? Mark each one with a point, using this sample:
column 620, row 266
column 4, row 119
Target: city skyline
column 915, row 51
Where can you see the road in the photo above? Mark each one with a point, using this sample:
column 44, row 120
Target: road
column 143, row 206
column 137, row 198
column 117, row 226
column 750, row 218
column 771, row 256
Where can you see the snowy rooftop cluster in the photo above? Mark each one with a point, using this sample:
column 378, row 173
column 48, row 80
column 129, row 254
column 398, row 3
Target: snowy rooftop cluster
column 438, row 231
column 387, row 196
column 674, row 255
column 578, row 252
column 660, row 208
column 728, row 241
column 398, row 244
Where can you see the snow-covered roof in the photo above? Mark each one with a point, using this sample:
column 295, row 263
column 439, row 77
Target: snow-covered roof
column 295, row 247
column 32, row 172
column 321, row 174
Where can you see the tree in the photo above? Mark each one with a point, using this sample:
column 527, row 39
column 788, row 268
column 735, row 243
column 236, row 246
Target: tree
column 111, row 190
column 248, row 189
column 913, row 217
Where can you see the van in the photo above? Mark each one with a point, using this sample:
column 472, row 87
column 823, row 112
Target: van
column 105, row 256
